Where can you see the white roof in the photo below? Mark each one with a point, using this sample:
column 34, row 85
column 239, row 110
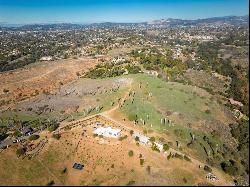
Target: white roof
column 142, row 138
column 107, row 131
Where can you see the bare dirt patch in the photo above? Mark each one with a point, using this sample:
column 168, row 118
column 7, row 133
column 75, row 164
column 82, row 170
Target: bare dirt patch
column 23, row 83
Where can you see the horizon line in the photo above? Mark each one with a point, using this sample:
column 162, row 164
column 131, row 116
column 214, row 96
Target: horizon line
column 87, row 23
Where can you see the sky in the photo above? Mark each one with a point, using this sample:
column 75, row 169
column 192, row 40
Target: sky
column 94, row 11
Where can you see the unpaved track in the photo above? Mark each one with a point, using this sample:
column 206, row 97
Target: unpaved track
column 108, row 115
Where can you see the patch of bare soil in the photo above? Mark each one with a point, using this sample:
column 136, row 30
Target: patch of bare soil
column 24, row 83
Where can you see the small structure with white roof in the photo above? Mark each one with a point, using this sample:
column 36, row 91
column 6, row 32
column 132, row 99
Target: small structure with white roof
column 108, row 132
column 142, row 138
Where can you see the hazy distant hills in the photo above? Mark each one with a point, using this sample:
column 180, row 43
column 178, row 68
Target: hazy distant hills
column 227, row 20
column 242, row 21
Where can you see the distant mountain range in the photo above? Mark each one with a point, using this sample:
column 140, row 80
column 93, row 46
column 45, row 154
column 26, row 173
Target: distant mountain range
column 242, row 21
column 230, row 20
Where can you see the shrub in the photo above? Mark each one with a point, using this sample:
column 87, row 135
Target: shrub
column 50, row 183
column 155, row 148
column 207, row 168
column 141, row 161
column 132, row 117
column 34, row 137
column 137, row 138
column 123, row 137
column 165, row 147
column 152, row 139
column 187, row 158
column 130, row 183
column 178, row 156
column 230, row 167
column 148, row 169
column 56, row 136
column 130, row 153
column 5, row 90
column 95, row 135
column 169, row 156
column 207, row 111
column 53, row 127
column 131, row 132
column 20, row 151
column 64, row 170
column 17, row 133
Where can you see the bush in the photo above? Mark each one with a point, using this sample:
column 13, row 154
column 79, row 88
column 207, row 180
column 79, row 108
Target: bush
column 176, row 155
column 64, row 170
column 155, row 148
column 34, row 137
column 131, row 132
column 207, row 168
column 130, row 153
column 50, row 183
column 20, row 151
column 132, row 117
column 148, row 169
column 5, row 90
column 137, row 138
column 53, row 127
column 187, row 158
column 207, row 111
column 123, row 137
column 152, row 139
column 165, row 147
column 141, row 161
column 169, row 156
column 17, row 133
column 231, row 167
column 130, row 183
column 56, row 136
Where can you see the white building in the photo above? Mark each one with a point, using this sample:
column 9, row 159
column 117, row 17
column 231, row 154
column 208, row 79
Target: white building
column 159, row 146
column 108, row 132
column 46, row 58
column 142, row 138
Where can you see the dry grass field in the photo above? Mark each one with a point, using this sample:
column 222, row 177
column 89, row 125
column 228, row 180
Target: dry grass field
column 106, row 162
column 24, row 83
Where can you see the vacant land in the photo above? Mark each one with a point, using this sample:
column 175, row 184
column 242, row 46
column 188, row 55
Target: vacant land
column 24, row 83
column 106, row 162
column 190, row 111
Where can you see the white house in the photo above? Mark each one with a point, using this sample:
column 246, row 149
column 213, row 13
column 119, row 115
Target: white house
column 159, row 146
column 46, row 58
column 108, row 132
column 142, row 138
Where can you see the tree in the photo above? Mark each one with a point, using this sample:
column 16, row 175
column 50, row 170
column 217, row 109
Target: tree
column 130, row 153
column 20, row 151
column 34, row 137
column 152, row 139
column 56, row 136
column 165, row 147
column 131, row 132
column 141, row 162
column 207, row 168
column 132, row 117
